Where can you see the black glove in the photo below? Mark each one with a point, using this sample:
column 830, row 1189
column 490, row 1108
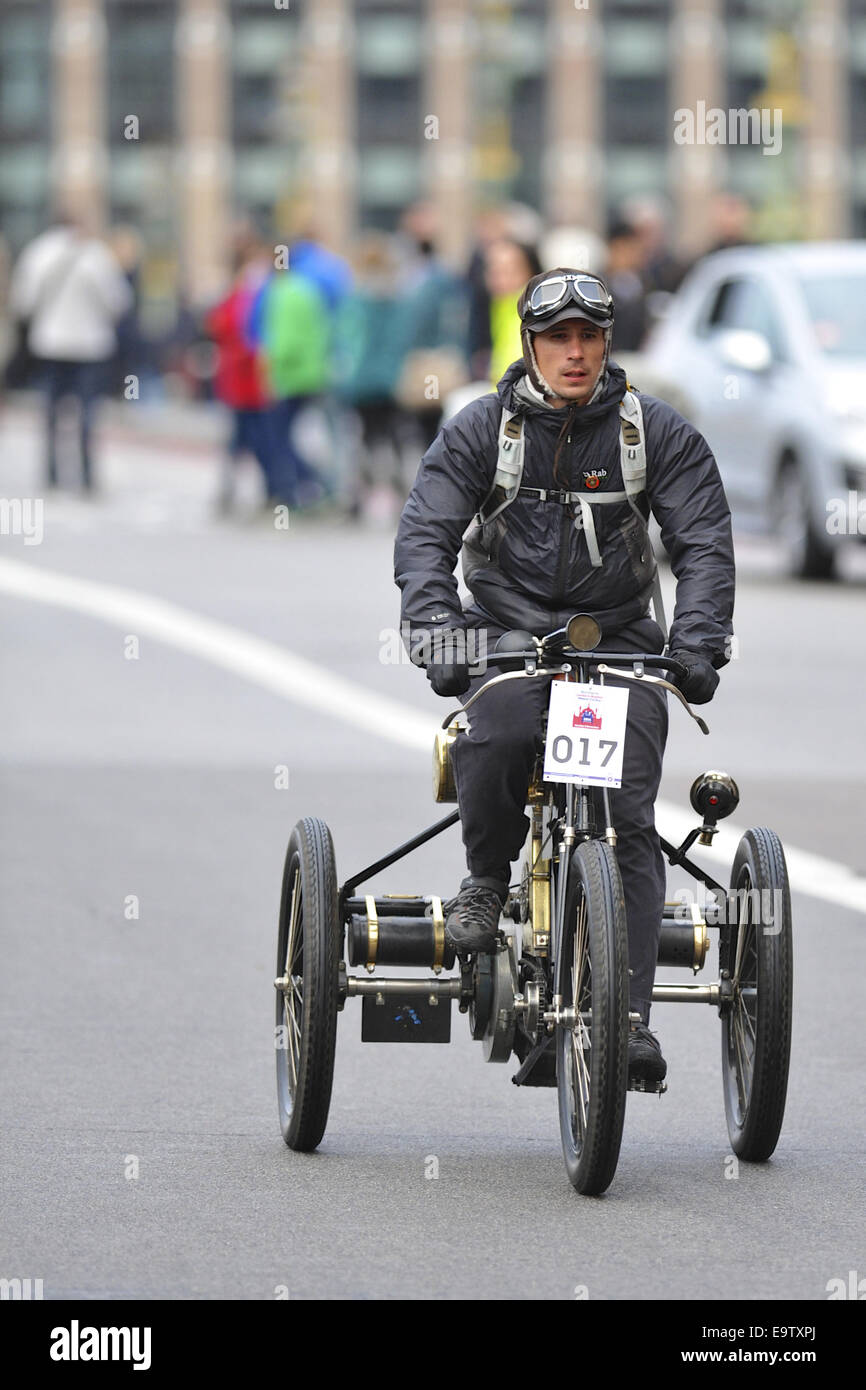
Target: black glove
column 443, row 653
column 701, row 678
column 448, row 679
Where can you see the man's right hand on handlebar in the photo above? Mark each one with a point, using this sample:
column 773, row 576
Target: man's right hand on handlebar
column 442, row 652
column 448, row 678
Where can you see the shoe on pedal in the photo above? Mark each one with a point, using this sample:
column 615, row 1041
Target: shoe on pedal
column 472, row 918
column 645, row 1061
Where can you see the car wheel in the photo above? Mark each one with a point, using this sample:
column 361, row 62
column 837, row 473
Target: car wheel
column 807, row 553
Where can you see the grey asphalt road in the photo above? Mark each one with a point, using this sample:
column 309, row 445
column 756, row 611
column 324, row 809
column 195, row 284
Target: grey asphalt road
column 141, row 853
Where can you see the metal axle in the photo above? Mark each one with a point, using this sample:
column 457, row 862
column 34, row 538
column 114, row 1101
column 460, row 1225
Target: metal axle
column 364, row 984
column 686, row 994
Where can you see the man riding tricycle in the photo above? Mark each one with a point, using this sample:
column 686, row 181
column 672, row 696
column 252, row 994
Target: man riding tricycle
column 548, row 486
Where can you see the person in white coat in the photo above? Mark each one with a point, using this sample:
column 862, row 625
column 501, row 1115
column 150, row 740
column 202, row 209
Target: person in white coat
column 70, row 291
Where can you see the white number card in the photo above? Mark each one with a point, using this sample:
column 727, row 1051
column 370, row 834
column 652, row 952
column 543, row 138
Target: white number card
column 585, row 734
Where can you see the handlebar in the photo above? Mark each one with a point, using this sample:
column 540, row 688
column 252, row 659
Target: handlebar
column 541, row 663
column 594, row 658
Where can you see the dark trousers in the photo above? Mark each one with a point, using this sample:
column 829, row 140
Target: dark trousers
column 251, row 433
column 291, row 477
column 84, row 381
column 493, row 763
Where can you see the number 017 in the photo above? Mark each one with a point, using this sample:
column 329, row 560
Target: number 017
column 562, row 749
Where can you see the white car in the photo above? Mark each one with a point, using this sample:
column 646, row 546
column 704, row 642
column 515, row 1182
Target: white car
column 765, row 350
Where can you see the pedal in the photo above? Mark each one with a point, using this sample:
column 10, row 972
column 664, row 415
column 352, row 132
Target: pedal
column 650, row 1087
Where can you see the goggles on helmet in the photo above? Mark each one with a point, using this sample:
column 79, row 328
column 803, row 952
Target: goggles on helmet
column 558, row 290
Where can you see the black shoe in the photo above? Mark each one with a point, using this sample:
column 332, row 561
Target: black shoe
column 472, row 918
column 645, row 1060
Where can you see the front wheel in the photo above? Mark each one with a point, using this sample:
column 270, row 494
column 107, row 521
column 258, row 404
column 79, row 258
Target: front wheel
column 808, row 554
column 592, row 1055
column 756, row 952
column 308, row 952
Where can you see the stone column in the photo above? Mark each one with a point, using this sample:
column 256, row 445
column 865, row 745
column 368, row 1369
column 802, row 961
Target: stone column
column 573, row 170
column 826, row 167
column 330, row 159
column 447, row 118
column 697, row 75
column 79, row 174
column 203, row 98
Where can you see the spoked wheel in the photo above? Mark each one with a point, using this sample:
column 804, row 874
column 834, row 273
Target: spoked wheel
column 308, row 954
column 591, row 1056
column 756, row 950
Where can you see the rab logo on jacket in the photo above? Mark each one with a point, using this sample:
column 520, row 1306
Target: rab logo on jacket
column 586, row 719
column 592, row 477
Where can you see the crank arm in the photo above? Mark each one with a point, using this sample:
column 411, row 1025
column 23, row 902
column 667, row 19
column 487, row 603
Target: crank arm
column 655, row 680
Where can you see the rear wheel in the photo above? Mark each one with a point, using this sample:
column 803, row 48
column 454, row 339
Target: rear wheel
column 756, row 952
column 591, row 1055
column 308, row 953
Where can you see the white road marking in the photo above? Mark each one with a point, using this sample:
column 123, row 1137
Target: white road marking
column 252, row 658
column 304, row 682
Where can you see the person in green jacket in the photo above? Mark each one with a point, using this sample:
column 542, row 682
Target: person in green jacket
column 295, row 333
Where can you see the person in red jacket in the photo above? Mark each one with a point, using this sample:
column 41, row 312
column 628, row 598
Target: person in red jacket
column 240, row 380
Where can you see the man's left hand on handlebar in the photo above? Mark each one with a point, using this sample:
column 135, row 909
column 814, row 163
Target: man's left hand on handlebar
column 701, row 678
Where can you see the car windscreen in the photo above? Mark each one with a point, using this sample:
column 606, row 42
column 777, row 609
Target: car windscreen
column 837, row 308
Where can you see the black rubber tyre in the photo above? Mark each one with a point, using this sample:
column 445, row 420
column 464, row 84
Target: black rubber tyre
column 756, row 950
column 308, row 956
column 592, row 1058
column 808, row 554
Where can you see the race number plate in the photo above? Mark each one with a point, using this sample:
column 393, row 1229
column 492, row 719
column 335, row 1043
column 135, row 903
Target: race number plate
column 585, row 734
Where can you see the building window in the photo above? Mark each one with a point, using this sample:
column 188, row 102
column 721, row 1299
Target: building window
column 267, row 96
column 25, row 122
column 140, row 69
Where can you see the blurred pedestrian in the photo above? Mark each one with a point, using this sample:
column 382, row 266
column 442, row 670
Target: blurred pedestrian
column 649, row 216
column 292, row 322
column 624, row 279
column 490, row 226
column 330, row 273
column 129, row 360
column 436, row 301
column 241, row 378
column 69, row 291
column 497, row 222
column 370, row 344
column 508, row 266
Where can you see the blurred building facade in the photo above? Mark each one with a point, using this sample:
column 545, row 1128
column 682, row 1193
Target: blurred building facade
column 175, row 116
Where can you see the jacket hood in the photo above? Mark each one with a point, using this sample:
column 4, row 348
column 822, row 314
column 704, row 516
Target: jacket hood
column 612, row 392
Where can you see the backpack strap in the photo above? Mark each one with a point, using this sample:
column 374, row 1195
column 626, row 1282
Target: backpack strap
column 509, row 467
column 632, row 447
column 633, row 464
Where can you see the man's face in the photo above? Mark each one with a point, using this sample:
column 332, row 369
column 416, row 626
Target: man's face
column 569, row 357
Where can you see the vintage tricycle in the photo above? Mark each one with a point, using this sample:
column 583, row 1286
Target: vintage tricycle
column 555, row 992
